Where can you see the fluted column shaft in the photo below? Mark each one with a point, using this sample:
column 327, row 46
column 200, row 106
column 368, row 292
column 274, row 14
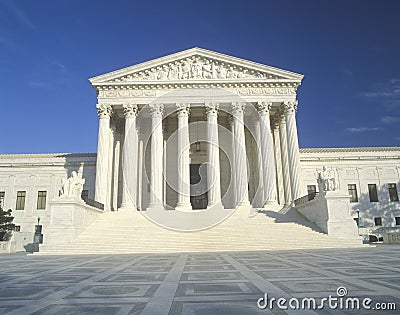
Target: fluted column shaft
column 129, row 157
column 267, row 154
column 183, row 158
column 213, row 169
column 278, row 162
column 285, row 160
column 156, row 175
column 290, row 108
column 259, row 197
column 103, row 154
column 242, row 193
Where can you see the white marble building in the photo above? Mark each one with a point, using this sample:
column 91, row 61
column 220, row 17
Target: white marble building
column 199, row 130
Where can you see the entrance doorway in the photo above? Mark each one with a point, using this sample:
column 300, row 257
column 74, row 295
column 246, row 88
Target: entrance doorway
column 198, row 184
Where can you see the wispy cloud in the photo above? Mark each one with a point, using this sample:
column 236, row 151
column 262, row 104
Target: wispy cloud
column 390, row 119
column 37, row 84
column 389, row 89
column 60, row 66
column 18, row 13
column 362, row 129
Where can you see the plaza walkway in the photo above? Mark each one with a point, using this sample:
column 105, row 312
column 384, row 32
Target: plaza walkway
column 196, row 283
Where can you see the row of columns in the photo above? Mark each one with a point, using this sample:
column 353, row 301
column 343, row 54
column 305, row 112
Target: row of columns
column 288, row 166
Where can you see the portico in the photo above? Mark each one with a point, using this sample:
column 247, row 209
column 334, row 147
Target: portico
column 234, row 118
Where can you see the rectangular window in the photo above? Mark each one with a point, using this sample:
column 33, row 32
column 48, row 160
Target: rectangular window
column 311, row 191
column 41, row 200
column 2, row 196
column 20, row 200
column 17, row 228
column 393, row 194
column 352, row 188
column 373, row 193
column 397, row 220
column 378, row 221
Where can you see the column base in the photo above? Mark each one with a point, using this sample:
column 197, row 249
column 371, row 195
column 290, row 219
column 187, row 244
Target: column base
column 272, row 205
column 127, row 208
column 155, row 207
column 185, row 207
column 217, row 205
column 243, row 203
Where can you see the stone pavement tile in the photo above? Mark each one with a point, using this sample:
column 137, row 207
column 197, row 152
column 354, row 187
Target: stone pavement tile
column 194, row 283
column 218, row 308
column 98, row 309
column 328, row 286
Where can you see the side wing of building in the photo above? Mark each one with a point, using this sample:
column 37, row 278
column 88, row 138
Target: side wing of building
column 370, row 175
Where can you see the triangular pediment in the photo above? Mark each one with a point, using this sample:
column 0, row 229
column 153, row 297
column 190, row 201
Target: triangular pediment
column 196, row 64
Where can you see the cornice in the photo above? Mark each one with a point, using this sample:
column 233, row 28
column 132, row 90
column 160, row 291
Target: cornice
column 353, row 149
column 47, row 155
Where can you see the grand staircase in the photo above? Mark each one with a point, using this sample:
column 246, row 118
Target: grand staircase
column 128, row 231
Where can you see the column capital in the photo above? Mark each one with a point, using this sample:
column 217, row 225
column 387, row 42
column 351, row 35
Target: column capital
column 130, row 110
column 104, row 110
column 289, row 107
column 212, row 108
column 156, row 109
column 264, row 107
column 238, row 108
column 183, row 109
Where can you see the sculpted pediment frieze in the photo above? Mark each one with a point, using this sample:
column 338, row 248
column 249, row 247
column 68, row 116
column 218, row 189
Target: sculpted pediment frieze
column 196, row 65
column 195, row 68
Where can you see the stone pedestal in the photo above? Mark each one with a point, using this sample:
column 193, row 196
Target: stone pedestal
column 331, row 212
column 69, row 217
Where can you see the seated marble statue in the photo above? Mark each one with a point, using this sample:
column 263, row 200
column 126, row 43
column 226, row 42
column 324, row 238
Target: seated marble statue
column 326, row 180
column 73, row 186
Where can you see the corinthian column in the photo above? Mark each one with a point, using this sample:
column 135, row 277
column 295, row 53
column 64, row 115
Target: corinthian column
column 290, row 108
column 213, row 168
column 183, row 158
column 103, row 155
column 156, row 175
column 267, row 154
column 284, row 159
column 129, row 158
column 242, row 193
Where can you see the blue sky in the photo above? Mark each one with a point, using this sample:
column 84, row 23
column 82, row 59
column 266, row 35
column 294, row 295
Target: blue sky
column 349, row 52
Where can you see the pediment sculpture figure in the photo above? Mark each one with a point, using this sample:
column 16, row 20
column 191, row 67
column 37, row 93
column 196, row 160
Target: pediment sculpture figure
column 72, row 186
column 326, row 179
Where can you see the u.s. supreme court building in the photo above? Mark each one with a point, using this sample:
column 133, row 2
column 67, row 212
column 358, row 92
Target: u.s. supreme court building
column 199, row 151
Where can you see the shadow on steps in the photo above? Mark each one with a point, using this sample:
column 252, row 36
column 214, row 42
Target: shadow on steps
column 291, row 215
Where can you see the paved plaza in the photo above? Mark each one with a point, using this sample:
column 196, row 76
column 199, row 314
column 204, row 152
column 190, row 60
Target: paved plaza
column 197, row 283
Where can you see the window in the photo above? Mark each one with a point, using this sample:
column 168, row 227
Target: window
column 2, row 195
column 41, row 200
column 393, row 195
column 352, row 188
column 20, row 200
column 17, row 228
column 397, row 220
column 373, row 193
column 311, row 189
column 378, row 221
column 85, row 194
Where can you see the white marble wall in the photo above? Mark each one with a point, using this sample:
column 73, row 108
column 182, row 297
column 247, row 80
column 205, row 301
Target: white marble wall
column 364, row 167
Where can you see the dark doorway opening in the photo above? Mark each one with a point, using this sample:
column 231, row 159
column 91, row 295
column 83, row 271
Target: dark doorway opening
column 198, row 185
